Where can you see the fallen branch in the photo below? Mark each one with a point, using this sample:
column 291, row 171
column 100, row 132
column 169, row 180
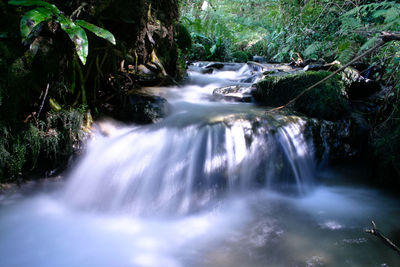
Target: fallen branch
column 385, row 37
column 390, row 36
column 385, row 240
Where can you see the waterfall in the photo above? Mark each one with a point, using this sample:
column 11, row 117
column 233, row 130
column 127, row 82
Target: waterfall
column 201, row 153
column 216, row 183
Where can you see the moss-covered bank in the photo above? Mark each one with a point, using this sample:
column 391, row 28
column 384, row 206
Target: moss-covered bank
column 326, row 101
column 40, row 146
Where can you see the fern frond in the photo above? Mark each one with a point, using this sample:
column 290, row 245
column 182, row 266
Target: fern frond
column 312, row 48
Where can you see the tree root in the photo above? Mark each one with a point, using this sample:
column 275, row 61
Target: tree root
column 385, row 240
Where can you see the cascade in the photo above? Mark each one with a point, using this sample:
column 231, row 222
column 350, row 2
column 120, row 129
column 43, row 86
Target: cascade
column 215, row 183
column 201, row 152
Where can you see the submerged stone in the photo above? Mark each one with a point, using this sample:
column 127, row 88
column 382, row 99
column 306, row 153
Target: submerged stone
column 326, row 101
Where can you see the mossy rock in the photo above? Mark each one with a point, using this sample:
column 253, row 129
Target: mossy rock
column 326, row 101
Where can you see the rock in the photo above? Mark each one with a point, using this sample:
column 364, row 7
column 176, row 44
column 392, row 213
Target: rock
column 358, row 86
column 259, row 59
column 216, row 65
column 235, row 93
column 340, row 140
column 141, row 108
column 326, row 101
column 317, row 66
column 206, row 71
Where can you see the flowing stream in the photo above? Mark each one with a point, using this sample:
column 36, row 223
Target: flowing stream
column 216, row 183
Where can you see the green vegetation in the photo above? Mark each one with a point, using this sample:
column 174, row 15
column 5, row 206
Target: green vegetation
column 326, row 101
column 39, row 146
column 291, row 30
column 37, row 132
column 50, row 77
column 49, row 13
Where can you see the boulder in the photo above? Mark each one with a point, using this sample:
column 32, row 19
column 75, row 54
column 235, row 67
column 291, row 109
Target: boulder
column 326, row 101
column 139, row 107
column 215, row 65
column 235, row 93
column 259, row 59
column 357, row 86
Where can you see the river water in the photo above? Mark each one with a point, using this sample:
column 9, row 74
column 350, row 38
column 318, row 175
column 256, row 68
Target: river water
column 216, row 183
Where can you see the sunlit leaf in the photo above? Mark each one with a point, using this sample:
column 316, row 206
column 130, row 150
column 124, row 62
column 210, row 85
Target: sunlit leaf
column 51, row 7
column 100, row 32
column 32, row 18
column 213, row 49
column 77, row 35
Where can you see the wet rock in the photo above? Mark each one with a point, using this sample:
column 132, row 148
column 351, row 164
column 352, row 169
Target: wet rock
column 317, row 66
column 206, row 71
column 216, row 65
column 365, row 70
column 340, row 140
column 142, row 108
column 358, row 86
column 300, row 63
column 235, row 93
column 326, row 101
column 259, row 59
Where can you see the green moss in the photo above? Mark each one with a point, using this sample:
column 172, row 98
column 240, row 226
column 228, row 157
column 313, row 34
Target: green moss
column 18, row 158
column 39, row 147
column 326, row 101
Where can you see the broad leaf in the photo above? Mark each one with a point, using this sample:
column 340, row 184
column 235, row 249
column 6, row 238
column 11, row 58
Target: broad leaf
column 51, row 7
column 100, row 32
column 77, row 35
column 32, row 19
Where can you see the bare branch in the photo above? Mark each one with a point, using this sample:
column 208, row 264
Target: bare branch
column 374, row 231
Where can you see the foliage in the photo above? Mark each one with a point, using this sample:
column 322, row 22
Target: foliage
column 241, row 56
column 42, row 145
column 288, row 30
column 183, row 39
column 281, row 29
column 46, row 12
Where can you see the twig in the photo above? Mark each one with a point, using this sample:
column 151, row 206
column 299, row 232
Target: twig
column 44, row 98
column 78, row 11
column 386, row 240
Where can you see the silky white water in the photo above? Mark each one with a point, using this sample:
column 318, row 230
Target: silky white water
column 215, row 183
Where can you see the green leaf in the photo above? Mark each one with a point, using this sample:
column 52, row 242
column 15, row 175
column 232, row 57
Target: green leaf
column 100, row 32
column 32, row 18
column 53, row 8
column 213, row 49
column 77, row 35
